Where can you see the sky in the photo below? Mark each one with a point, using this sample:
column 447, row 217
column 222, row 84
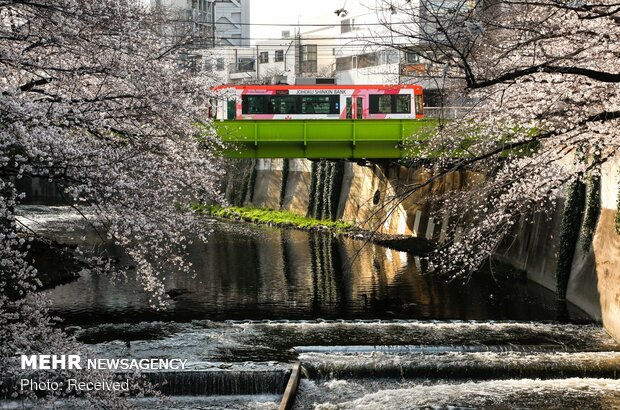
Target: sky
column 287, row 12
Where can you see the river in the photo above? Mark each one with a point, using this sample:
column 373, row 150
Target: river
column 371, row 329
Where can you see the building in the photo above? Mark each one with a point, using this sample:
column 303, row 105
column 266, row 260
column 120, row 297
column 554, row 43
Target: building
column 268, row 62
column 363, row 50
column 354, row 46
column 232, row 22
column 212, row 23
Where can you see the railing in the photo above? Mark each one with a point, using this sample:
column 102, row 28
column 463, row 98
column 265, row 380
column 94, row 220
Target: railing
column 446, row 112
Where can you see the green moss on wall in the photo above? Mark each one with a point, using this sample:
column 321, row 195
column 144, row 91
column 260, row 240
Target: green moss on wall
column 242, row 174
column 285, row 171
column 321, row 169
column 336, row 186
column 325, row 186
column 313, row 183
column 592, row 211
column 569, row 235
column 252, row 181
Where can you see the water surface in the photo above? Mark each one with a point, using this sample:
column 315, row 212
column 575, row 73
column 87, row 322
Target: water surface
column 258, row 272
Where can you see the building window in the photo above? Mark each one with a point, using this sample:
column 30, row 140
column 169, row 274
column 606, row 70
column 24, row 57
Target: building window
column 344, row 63
column 263, row 57
column 389, row 57
column 279, row 56
column 346, row 25
column 308, row 58
column 309, row 52
column 245, row 64
column 219, row 64
column 367, row 60
column 411, row 57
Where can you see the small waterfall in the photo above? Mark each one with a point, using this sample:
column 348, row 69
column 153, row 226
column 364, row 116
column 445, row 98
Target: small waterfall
column 453, row 364
column 220, row 382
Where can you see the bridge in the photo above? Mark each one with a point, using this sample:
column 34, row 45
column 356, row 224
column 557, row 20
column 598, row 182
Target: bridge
column 329, row 139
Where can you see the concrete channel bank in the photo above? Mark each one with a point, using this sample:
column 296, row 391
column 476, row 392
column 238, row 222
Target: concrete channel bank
column 365, row 194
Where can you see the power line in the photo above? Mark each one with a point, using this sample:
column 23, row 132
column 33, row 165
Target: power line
column 316, row 24
column 315, row 38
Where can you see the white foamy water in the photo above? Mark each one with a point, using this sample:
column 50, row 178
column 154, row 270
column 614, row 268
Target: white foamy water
column 462, row 365
column 256, row 402
column 37, row 216
column 573, row 393
column 275, row 340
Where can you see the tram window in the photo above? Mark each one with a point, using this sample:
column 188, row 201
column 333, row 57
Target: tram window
column 380, row 103
column 389, row 103
column 313, row 104
column 282, row 104
column 403, row 104
column 253, row 104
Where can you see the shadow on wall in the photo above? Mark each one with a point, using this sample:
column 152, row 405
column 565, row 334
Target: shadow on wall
column 39, row 191
column 369, row 196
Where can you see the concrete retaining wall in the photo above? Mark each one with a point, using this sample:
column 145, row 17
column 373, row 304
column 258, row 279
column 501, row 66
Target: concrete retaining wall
column 606, row 247
column 594, row 283
column 370, row 196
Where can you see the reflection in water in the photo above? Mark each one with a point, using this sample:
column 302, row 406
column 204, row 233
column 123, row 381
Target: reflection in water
column 253, row 272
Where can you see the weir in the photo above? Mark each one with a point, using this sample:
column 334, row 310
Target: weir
column 462, row 365
column 220, row 382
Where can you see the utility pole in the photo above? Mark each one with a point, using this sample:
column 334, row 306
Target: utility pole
column 257, row 63
column 299, row 54
column 213, row 5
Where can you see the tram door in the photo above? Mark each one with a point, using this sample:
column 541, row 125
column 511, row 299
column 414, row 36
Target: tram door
column 231, row 109
column 355, row 108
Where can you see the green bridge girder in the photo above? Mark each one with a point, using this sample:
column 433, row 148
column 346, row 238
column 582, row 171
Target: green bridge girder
column 330, row 139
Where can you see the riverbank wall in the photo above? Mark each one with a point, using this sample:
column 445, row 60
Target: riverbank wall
column 593, row 282
column 375, row 196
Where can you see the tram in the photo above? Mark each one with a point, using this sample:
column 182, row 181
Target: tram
column 320, row 101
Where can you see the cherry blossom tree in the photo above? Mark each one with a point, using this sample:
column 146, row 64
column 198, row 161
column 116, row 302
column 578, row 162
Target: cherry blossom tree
column 544, row 80
column 94, row 99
